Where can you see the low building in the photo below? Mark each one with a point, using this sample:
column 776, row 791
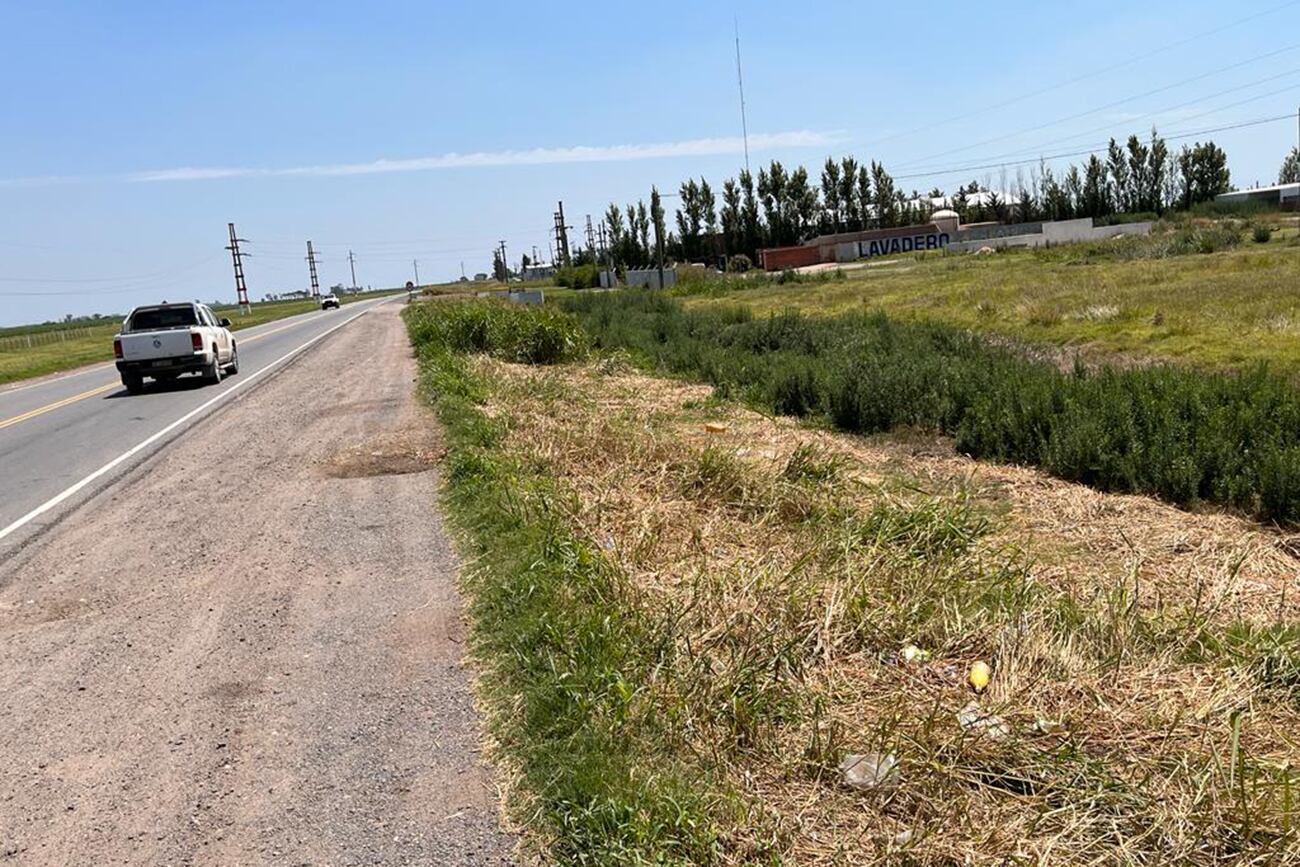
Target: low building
column 1280, row 195
column 943, row 232
column 539, row 271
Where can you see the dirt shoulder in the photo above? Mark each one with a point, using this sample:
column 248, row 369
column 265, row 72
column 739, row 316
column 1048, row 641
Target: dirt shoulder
column 249, row 650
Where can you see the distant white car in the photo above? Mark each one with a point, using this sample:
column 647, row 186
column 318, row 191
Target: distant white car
column 329, row 301
column 162, row 341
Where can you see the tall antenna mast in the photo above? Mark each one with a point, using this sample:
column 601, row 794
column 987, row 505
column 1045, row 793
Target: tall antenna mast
column 740, row 81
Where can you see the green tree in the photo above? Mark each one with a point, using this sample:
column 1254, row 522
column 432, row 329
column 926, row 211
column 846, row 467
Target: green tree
column 1138, row 196
column 850, row 203
column 1290, row 171
column 1203, row 172
column 661, row 231
column 831, row 194
column 866, row 197
column 886, row 201
column 1095, row 198
column 802, row 205
column 641, row 234
column 708, row 208
column 751, row 224
column 733, row 233
column 616, row 232
column 689, row 219
column 1159, row 170
column 1117, row 165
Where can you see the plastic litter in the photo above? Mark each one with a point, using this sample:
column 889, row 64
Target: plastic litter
column 870, row 770
column 973, row 718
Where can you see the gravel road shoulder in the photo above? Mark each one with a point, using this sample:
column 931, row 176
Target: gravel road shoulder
column 249, row 650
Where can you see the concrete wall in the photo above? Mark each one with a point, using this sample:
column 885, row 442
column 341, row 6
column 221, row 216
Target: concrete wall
column 980, row 233
column 648, row 278
column 1059, row 232
column 527, row 296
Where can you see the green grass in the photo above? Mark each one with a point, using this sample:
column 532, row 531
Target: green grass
column 89, row 344
column 1188, row 436
column 691, row 703
column 1226, row 309
column 566, row 659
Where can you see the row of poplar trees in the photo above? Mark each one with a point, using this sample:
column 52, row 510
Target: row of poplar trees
column 782, row 207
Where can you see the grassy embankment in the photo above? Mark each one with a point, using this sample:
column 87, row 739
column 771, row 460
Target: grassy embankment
column 1142, row 298
column 686, row 632
column 52, row 349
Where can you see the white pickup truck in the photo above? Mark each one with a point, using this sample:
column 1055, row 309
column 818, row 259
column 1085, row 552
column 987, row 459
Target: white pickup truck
column 162, row 341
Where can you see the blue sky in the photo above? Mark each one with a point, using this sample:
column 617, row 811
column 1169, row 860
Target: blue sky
column 133, row 132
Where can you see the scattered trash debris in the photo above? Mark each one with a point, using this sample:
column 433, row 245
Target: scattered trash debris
column 1048, row 726
column 870, row 771
column 715, row 427
column 902, row 838
column 979, row 675
column 972, row 718
column 914, row 655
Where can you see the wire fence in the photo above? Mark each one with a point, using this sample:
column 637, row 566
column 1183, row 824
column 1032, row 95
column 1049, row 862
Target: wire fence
column 24, row 342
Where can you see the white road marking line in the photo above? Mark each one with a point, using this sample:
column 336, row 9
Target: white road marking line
column 294, row 322
column 299, row 318
column 134, row 450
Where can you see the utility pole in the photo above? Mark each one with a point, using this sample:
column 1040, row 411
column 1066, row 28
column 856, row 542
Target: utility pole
column 562, row 237
column 311, row 265
column 241, row 287
column 607, row 256
column 352, row 265
column 505, row 267
column 591, row 240
column 415, row 263
column 740, row 81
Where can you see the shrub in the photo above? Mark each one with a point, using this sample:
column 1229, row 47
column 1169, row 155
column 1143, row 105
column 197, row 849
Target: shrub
column 739, row 264
column 528, row 334
column 578, row 277
column 1184, row 435
column 1262, row 234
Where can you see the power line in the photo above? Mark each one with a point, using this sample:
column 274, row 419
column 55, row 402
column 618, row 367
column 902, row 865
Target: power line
column 1065, row 140
column 1098, row 149
column 1105, row 107
column 982, row 110
column 157, row 275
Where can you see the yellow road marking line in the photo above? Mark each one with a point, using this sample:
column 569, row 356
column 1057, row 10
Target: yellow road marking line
column 49, row 407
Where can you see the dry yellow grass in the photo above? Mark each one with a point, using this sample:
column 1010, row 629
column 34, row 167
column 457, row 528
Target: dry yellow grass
column 789, row 566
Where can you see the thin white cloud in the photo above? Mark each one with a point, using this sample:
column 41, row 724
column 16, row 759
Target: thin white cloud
column 532, row 157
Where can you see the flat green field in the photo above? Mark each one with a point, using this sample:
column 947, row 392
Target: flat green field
column 41, row 350
column 1223, row 309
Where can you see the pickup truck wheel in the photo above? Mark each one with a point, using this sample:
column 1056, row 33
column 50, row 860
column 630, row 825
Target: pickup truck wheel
column 213, row 374
column 134, row 384
column 233, row 367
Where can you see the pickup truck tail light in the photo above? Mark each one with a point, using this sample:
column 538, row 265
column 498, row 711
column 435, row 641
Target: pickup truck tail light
column 117, row 348
column 196, row 340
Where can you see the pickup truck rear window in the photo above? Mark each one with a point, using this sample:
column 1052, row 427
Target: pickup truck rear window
column 162, row 318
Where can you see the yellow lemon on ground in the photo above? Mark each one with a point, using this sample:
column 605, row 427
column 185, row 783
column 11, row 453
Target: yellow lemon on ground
column 979, row 675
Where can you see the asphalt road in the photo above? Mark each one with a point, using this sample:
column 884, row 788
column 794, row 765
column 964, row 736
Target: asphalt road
column 243, row 643
column 57, row 431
